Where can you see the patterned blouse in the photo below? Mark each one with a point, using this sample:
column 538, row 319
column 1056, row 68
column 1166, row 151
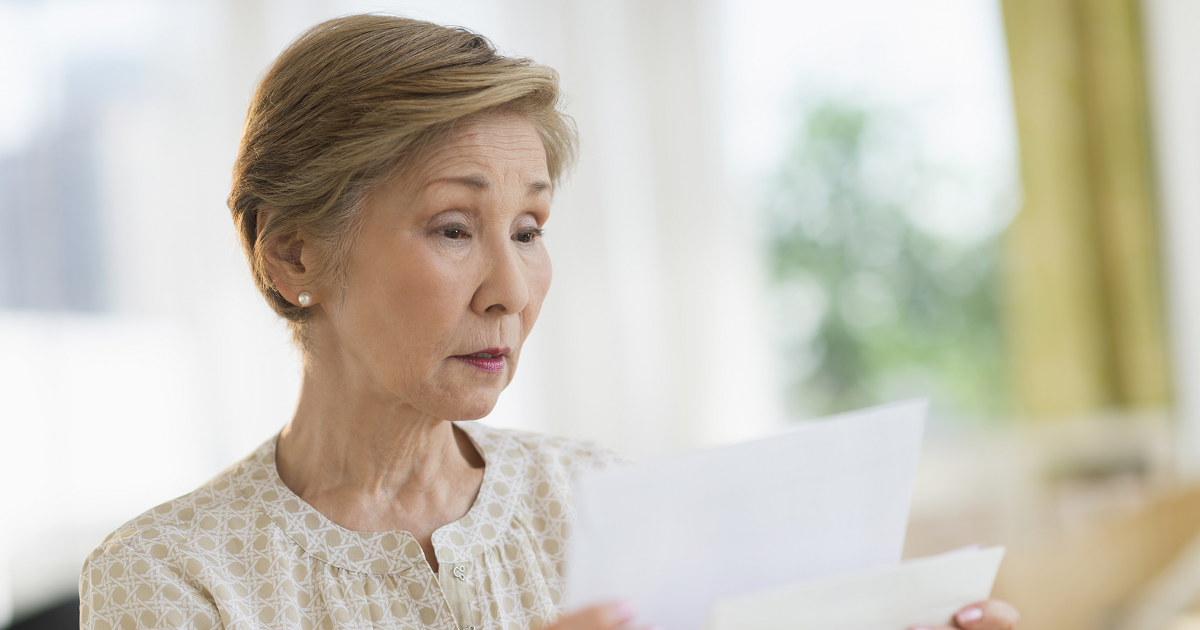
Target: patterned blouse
column 243, row 551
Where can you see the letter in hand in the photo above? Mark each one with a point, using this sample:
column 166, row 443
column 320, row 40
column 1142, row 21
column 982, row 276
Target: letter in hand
column 992, row 614
column 612, row 616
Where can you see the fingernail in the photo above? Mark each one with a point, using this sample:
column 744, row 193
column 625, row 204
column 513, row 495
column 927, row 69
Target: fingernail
column 625, row 611
column 969, row 614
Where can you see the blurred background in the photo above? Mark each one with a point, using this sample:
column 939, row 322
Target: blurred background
column 783, row 209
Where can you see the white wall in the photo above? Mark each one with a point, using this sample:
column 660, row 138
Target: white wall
column 1173, row 51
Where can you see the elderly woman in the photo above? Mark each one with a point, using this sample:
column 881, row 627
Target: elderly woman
column 390, row 192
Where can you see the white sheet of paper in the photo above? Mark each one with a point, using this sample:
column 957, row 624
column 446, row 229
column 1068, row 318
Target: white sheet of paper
column 674, row 536
column 921, row 592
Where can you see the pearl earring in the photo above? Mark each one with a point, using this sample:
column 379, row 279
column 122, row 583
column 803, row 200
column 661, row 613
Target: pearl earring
column 305, row 299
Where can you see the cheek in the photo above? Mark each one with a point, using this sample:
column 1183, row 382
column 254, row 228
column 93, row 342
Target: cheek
column 539, row 285
column 412, row 299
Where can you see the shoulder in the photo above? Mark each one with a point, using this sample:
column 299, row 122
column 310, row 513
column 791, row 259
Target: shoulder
column 186, row 518
column 145, row 574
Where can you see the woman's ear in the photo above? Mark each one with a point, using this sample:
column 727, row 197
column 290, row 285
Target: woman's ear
column 283, row 256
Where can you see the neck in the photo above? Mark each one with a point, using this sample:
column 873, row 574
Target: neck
column 365, row 445
column 370, row 462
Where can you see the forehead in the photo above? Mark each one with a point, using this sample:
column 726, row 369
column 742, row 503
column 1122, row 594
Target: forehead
column 492, row 150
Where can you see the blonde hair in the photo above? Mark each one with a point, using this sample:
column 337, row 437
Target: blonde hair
column 350, row 102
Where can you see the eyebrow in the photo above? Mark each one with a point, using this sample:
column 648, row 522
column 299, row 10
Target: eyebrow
column 535, row 187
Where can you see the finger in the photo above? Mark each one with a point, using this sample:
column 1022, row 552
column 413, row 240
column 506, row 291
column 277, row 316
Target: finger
column 603, row 617
column 992, row 614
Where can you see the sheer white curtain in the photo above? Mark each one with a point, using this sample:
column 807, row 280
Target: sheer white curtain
column 1171, row 49
column 649, row 342
column 652, row 339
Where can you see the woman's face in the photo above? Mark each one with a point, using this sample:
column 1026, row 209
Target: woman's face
column 448, row 274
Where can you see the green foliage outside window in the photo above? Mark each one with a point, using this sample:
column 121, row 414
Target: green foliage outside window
column 876, row 304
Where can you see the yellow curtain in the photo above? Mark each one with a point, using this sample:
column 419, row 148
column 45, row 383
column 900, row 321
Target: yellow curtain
column 1083, row 302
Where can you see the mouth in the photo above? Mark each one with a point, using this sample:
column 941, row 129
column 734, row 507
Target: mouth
column 489, row 360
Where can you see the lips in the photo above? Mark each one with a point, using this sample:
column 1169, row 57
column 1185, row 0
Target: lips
column 489, row 360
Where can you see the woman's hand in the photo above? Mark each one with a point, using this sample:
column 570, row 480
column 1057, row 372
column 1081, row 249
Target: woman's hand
column 992, row 614
column 603, row 617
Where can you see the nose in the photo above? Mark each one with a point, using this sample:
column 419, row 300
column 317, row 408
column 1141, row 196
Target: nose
column 504, row 288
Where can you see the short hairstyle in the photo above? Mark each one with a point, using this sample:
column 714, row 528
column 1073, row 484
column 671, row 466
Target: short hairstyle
column 351, row 101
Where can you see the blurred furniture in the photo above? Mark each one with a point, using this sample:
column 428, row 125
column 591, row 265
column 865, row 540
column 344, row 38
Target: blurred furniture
column 1094, row 582
column 1101, row 533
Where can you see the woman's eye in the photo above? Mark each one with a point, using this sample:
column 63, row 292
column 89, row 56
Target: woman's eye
column 453, row 233
column 527, row 237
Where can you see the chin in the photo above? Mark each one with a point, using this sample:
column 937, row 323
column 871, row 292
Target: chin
column 470, row 409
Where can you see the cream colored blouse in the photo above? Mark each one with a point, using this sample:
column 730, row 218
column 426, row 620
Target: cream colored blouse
column 243, row 551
